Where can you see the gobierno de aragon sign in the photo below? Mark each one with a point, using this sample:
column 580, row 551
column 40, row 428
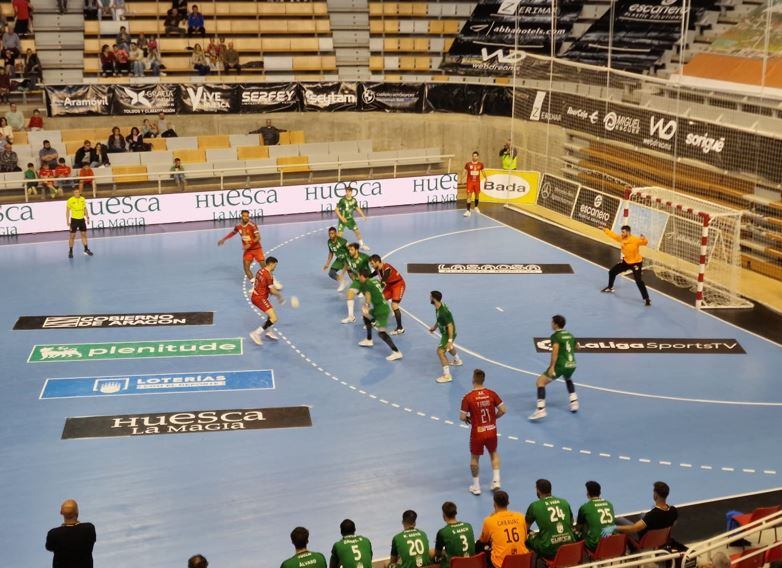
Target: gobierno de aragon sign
column 142, row 210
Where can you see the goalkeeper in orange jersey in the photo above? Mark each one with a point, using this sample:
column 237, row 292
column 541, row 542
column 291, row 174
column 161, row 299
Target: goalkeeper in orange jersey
column 631, row 260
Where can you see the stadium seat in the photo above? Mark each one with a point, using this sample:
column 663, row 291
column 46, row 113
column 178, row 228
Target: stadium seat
column 293, row 164
column 72, row 146
column 182, row 142
column 213, row 141
column 608, row 547
column 567, row 555
column 229, row 168
column 313, row 148
column 348, row 147
column 190, row 155
column 280, row 151
column 125, row 158
column 477, row 561
column 103, row 175
column 252, row 152
column 653, row 540
column 20, row 137
column 757, row 514
column 244, row 139
column 130, row 174
column 217, row 154
column 198, row 171
column 261, row 167
column 749, row 558
column 518, row 561
column 157, row 157
column 157, row 143
column 351, row 161
column 295, row 137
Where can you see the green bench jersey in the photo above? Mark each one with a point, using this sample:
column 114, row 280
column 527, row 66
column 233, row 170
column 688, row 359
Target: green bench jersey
column 353, row 552
column 594, row 516
column 566, row 357
column 457, row 540
column 356, row 265
column 338, row 248
column 555, row 525
column 347, row 207
column 305, row 559
column 412, row 549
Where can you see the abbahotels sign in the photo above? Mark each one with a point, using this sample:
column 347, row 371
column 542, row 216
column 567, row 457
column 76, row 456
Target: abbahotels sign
column 139, row 211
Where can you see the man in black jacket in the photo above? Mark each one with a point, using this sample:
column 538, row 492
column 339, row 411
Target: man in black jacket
column 86, row 155
column 72, row 541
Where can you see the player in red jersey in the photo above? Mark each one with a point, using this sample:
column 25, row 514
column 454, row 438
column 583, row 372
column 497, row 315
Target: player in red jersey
column 474, row 172
column 481, row 408
column 262, row 287
column 393, row 288
column 251, row 242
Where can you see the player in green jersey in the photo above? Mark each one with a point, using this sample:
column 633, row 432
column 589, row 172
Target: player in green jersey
column 447, row 328
column 563, row 364
column 338, row 252
column 356, row 261
column 554, row 519
column 377, row 315
column 455, row 539
column 351, row 551
column 595, row 517
column 346, row 206
column 410, row 548
column 303, row 558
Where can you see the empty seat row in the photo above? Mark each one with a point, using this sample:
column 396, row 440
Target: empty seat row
column 222, row 8
column 228, row 27
column 432, row 27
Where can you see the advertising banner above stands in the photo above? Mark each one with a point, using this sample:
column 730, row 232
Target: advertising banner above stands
column 721, row 146
column 142, row 210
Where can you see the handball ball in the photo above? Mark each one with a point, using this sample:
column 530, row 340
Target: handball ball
column 277, row 284
column 295, row 302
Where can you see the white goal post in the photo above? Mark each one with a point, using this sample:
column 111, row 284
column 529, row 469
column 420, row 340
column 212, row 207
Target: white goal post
column 693, row 243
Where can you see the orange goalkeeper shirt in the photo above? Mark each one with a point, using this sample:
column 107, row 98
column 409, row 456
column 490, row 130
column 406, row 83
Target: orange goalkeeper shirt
column 507, row 533
column 630, row 246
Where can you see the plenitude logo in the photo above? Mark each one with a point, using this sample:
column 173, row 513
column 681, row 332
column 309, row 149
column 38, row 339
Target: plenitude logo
column 135, row 350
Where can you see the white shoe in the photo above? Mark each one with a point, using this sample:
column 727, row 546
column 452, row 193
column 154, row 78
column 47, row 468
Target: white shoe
column 477, row 210
column 574, row 405
column 256, row 337
column 365, row 247
column 398, row 331
column 444, row 379
column 395, row 356
column 457, row 362
column 349, row 319
column 467, row 214
column 495, row 486
column 366, row 343
column 271, row 335
column 342, row 285
column 538, row 414
column 475, row 489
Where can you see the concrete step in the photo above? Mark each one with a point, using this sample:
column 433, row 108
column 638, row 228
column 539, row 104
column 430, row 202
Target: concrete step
column 63, row 76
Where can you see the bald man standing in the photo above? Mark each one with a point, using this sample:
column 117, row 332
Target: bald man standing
column 72, row 541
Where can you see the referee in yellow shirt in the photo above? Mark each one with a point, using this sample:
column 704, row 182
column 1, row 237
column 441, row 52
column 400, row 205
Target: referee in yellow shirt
column 76, row 218
column 631, row 260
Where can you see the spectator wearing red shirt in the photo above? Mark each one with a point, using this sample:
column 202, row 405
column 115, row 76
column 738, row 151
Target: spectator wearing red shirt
column 22, row 14
column 46, row 175
column 481, row 408
column 121, row 59
column 87, row 173
column 107, row 60
column 36, row 121
column 63, row 170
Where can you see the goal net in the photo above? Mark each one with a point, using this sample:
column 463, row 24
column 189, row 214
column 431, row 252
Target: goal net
column 693, row 243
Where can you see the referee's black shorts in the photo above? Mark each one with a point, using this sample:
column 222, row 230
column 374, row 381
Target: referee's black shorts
column 78, row 225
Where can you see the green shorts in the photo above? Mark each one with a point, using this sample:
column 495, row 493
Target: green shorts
column 350, row 223
column 380, row 315
column 565, row 372
column 338, row 264
column 444, row 340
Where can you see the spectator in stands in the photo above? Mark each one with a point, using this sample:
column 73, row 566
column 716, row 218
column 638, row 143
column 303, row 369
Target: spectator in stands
column 136, row 141
column 171, row 23
column 165, row 126
column 213, row 56
column 410, row 547
column 143, row 43
column 269, row 133
column 9, row 62
column 62, row 6
column 9, row 161
column 5, row 85
column 595, row 517
column 22, row 16
column 146, row 128
column 103, row 156
column 195, row 22
column 15, row 117
column 86, row 155
column 554, row 519
column 73, row 541
column 33, row 71
column 300, row 538
column 197, row 561
column 178, row 174
column 509, row 155
column 6, row 131
column 198, row 60
column 153, row 62
column 48, row 155
column 46, row 175
column 662, row 516
column 136, row 57
column 350, row 549
column 493, row 532
column 105, row 9
column 180, row 8
column 63, row 170
column 121, row 60
column 154, row 131
column 11, row 41
column 31, row 187
column 90, row 9
column 118, row 9
column 116, row 142
column 231, row 59
column 455, row 539
column 107, row 61
column 87, row 178
column 123, row 38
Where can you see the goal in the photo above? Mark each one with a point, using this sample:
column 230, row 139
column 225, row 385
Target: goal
column 693, row 243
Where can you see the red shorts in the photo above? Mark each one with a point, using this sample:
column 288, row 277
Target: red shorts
column 394, row 292
column 262, row 304
column 254, row 254
column 473, row 187
column 480, row 441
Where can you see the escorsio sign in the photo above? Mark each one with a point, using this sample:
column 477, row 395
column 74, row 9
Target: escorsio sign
column 142, row 210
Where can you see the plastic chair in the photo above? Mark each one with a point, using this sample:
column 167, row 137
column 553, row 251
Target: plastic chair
column 477, row 561
column 654, row 539
column 567, row 555
column 774, row 554
column 757, row 514
column 612, row 546
column 755, row 561
column 518, row 561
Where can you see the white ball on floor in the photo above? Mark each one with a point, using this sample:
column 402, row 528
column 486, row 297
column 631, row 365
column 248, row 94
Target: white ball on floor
column 295, row 302
column 277, row 284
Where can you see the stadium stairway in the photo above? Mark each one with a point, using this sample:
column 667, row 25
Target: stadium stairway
column 59, row 41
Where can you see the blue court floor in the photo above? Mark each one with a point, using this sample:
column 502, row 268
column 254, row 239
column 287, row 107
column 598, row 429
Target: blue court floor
column 385, row 437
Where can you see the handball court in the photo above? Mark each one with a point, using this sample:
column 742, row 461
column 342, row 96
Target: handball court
column 384, row 436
